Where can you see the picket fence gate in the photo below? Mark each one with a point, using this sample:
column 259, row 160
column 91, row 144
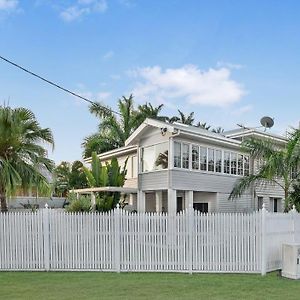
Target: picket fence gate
column 149, row 242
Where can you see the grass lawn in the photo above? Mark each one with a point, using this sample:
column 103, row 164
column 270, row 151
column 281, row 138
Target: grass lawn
column 94, row 285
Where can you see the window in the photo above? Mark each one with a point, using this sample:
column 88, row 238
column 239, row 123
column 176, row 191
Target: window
column 177, row 155
column 233, row 157
column 203, row 158
column 201, row 207
column 211, row 160
column 218, row 154
column 260, row 201
column 240, row 164
column 195, row 157
column 155, row 157
column 226, row 162
column 246, row 165
column 275, row 204
column 185, row 156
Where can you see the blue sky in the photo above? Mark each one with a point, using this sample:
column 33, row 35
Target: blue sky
column 228, row 61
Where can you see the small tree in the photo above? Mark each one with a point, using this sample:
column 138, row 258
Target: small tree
column 69, row 176
column 109, row 174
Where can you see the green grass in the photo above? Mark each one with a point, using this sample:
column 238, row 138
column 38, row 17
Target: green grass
column 94, row 285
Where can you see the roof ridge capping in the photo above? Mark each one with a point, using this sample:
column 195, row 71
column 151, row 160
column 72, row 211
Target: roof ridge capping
column 176, row 127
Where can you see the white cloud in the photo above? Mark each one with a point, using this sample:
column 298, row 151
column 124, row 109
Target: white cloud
column 9, row 5
column 73, row 12
column 82, row 8
column 108, row 55
column 223, row 64
column 213, row 87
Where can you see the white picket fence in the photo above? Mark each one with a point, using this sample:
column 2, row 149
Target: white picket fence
column 120, row 241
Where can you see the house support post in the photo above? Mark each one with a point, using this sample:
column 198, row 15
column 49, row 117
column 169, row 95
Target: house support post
column 141, row 201
column 158, row 201
column 172, row 201
column 189, row 199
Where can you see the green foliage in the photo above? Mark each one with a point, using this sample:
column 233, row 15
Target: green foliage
column 295, row 195
column 69, row 176
column 109, row 174
column 278, row 165
column 113, row 131
column 23, row 159
column 82, row 204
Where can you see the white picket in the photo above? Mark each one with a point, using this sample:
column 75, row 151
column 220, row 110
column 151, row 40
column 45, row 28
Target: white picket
column 120, row 241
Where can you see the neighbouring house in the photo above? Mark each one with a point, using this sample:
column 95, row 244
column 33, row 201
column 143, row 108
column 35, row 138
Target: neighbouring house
column 173, row 166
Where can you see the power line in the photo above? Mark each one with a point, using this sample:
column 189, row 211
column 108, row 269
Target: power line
column 56, row 85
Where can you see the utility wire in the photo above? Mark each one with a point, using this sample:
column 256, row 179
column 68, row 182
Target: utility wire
column 57, row 85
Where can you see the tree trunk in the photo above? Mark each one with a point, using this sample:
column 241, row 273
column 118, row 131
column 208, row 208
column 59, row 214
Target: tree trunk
column 3, row 202
column 286, row 200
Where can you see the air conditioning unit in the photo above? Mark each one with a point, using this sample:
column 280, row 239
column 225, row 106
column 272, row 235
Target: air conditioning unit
column 291, row 261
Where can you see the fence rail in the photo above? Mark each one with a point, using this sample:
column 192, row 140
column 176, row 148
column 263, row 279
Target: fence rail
column 157, row 242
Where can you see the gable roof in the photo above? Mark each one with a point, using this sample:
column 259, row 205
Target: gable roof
column 254, row 132
column 179, row 128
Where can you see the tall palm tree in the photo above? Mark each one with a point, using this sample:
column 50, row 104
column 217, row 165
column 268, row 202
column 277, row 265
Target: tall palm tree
column 114, row 130
column 22, row 155
column 279, row 165
column 182, row 118
column 218, row 130
column 203, row 125
column 147, row 110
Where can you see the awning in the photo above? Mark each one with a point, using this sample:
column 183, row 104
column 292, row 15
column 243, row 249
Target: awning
column 124, row 190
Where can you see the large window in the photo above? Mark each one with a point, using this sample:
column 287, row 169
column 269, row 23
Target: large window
column 226, row 162
column 203, row 158
column 195, row 157
column 185, row 156
column 240, row 164
column 155, row 157
column 218, row 154
column 246, row 165
column 177, row 155
column 233, row 157
column 211, row 159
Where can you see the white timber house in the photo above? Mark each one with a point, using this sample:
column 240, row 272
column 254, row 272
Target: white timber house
column 173, row 166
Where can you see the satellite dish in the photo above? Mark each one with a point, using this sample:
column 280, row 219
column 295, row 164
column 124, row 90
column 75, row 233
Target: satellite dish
column 267, row 122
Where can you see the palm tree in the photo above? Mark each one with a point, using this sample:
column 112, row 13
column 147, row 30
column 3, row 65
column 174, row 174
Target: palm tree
column 203, row 125
column 188, row 120
column 218, row 130
column 23, row 159
column 279, row 165
column 147, row 110
column 114, row 130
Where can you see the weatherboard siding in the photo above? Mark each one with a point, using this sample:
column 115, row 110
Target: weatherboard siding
column 153, row 180
column 199, row 181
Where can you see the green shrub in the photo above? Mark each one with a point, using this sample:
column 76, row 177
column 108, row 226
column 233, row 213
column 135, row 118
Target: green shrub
column 82, row 204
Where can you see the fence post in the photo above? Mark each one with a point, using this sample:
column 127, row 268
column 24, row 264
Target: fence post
column 293, row 211
column 190, row 216
column 46, row 234
column 117, row 217
column 263, row 241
